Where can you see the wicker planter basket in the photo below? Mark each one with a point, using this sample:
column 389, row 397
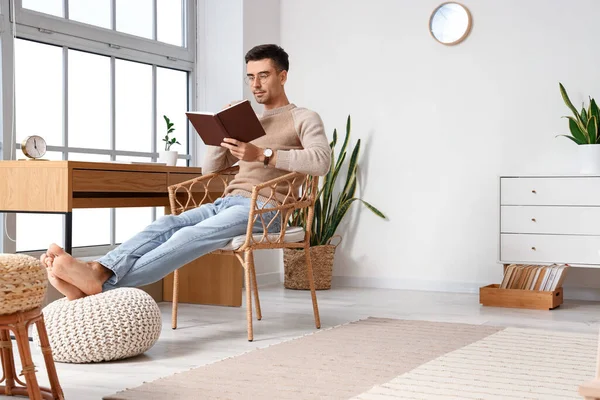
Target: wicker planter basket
column 294, row 264
column 23, row 283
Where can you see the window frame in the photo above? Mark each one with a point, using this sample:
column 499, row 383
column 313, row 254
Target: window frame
column 52, row 30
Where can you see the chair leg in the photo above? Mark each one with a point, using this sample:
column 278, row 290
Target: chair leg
column 311, row 282
column 33, row 388
column 55, row 388
column 248, row 286
column 8, row 363
column 175, row 299
column 254, row 286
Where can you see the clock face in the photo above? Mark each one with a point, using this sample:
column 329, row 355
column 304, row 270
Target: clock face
column 34, row 146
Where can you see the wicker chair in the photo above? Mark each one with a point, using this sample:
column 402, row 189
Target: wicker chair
column 206, row 188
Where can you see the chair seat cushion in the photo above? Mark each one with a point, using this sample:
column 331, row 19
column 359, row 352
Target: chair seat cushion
column 293, row 234
column 112, row 325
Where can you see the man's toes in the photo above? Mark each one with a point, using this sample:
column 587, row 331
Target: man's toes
column 56, row 250
column 58, row 270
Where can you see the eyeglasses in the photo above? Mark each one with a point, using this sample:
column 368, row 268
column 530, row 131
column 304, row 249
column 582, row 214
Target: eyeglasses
column 262, row 78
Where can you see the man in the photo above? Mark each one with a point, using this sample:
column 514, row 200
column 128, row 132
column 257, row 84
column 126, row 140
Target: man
column 295, row 141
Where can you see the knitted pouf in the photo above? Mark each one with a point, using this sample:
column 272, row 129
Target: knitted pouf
column 23, row 283
column 112, row 325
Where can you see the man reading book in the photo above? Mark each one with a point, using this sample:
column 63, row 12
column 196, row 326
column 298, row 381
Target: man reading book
column 295, row 141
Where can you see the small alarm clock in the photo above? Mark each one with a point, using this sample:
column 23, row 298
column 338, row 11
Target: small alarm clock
column 33, row 147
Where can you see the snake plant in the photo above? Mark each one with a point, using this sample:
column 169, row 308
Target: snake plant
column 330, row 209
column 583, row 125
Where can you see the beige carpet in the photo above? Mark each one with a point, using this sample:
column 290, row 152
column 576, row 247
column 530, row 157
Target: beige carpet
column 384, row 359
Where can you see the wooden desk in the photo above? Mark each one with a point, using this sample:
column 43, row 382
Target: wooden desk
column 61, row 186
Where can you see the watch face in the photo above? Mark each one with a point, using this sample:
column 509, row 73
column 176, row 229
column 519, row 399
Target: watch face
column 268, row 153
column 34, row 146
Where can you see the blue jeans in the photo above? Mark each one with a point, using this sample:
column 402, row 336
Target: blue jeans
column 174, row 240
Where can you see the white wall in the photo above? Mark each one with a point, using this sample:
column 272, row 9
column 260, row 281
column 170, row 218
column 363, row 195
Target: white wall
column 219, row 45
column 440, row 123
column 227, row 29
column 261, row 25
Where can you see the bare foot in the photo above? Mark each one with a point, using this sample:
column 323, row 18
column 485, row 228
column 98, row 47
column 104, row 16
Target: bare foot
column 86, row 277
column 68, row 290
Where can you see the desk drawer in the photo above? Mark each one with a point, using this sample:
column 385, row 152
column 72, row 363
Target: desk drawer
column 119, row 181
column 558, row 191
column 523, row 248
column 547, row 219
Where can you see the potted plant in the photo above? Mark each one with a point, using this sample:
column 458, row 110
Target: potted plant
column 168, row 156
column 329, row 213
column 584, row 132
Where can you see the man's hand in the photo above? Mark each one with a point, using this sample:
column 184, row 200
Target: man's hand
column 243, row 151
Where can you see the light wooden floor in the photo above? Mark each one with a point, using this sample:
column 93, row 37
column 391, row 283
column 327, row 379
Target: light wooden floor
column 207, row 334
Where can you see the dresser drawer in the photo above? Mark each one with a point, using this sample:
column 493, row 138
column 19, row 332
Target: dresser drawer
column 521, row 248
column 557, row 191
column 548, row 219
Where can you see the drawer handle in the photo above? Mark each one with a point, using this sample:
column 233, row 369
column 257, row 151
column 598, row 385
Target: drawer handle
column 533, row 191
column 533, row 248
column 533, row 220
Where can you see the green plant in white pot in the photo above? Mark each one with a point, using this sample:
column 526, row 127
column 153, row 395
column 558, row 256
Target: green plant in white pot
column 167, row 155
column 584, row 126
column 330, row 209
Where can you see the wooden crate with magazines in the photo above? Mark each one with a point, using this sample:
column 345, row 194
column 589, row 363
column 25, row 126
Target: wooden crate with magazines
column 527, row 286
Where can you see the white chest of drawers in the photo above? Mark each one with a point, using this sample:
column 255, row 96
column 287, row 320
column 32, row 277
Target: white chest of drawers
column 550, row 219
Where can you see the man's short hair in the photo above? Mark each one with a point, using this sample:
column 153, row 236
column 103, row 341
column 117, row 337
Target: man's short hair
column 272, row 51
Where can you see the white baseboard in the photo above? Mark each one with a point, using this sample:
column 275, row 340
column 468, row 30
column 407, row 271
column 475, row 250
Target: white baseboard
column 570, row 292
column 405, row 284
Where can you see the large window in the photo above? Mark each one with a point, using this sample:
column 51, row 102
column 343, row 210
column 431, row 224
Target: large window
column 96, row 89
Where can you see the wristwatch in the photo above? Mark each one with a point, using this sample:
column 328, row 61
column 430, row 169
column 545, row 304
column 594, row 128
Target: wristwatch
column 268, row 153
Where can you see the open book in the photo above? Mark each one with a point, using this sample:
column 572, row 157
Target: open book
column 237, row 121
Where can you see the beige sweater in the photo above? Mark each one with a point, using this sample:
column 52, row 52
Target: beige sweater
column 297, row 136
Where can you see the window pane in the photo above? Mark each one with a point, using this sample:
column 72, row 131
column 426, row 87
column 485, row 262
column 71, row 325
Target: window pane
column 52, row 7
column 130, row 221
column 98, row 219
column 96, row 12
column 38, row 231
column 89, row 100
column 133, row 104
column 168, row 24
column 172, row 101
column 128, row 159
column 38, row 91
column 135, row 17
column 53, row 155
column 88, row 157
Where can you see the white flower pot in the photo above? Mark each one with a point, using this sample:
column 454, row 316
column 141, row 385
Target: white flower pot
column 168, row 157
column 589, row 158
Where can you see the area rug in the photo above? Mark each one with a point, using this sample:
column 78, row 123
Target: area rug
column 380, row 358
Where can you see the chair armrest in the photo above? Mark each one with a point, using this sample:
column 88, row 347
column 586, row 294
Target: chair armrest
column 283, row 209
column 181, row 195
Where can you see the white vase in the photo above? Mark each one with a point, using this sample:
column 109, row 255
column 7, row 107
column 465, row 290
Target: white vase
column 168, row 157
column 589, row 158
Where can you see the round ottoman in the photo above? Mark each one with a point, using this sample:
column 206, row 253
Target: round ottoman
column 112, row 325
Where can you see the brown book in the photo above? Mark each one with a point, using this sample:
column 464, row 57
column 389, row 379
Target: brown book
column 237, row 121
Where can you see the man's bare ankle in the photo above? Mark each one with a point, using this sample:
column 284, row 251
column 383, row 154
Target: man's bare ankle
column 100, row 271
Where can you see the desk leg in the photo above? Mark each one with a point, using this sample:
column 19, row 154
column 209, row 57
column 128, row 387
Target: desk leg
column 69, row 232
